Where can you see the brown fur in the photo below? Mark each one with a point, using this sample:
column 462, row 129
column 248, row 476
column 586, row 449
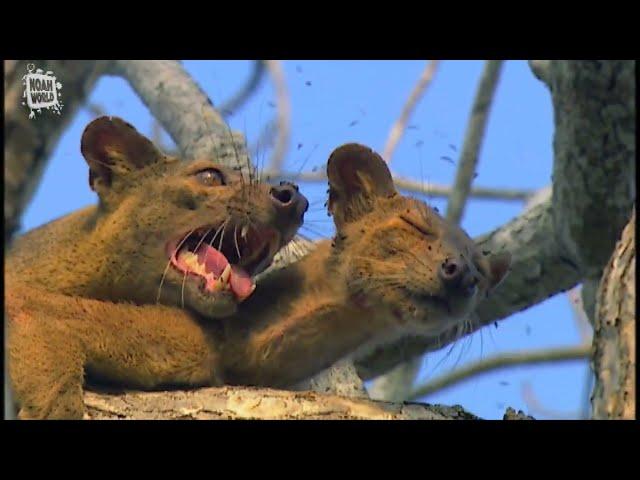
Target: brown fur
column 377, row 280
column 81, row 291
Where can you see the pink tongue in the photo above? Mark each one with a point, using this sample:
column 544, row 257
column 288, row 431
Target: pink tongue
column 240, row 282
column 215, row 262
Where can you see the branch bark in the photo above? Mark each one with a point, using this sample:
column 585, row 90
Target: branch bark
column 229, row 403
column 614, row 359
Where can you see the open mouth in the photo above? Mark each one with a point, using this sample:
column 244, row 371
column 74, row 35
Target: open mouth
column 225, row 257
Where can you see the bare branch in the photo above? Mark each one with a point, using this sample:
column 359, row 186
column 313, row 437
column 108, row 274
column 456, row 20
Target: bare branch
column 579, row 316
column 504, row 360
column 398, row 128
column 413, row 186
column 283, row 105
column 265, row 140
column 473, row 140
column 229, row 107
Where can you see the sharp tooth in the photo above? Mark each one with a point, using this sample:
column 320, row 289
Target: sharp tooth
column 190, row 260
column 226, row 273
column 243, row 232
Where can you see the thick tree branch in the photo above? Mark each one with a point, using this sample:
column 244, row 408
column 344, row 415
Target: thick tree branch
column 614, row 359
column 184, row 110
column 594, row 146
column 228, row 403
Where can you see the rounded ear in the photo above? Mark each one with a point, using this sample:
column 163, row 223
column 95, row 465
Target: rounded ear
column 112, row 148
column 354, row 168
column 499, row 264
column 357, row 175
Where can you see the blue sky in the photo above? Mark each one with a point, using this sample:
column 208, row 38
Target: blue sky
column 334, row 102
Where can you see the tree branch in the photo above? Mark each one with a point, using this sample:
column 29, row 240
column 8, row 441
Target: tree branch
column 401, row 124
column 184, row 110
column 412, row 186
column 504, row 360
column 614, row 359
column 229, row 107
column 473, row 140
column 228, row 403
column 283, row 105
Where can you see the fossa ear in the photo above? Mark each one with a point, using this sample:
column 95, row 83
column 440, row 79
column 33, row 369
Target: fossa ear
column 357, row 177
column 113, row 148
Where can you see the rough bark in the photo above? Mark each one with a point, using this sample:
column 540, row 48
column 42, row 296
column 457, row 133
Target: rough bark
column 229, row 403
column 594, row 147
column 614, row 357
column 29, row 142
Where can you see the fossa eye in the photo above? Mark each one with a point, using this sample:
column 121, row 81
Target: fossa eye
column 210, row 177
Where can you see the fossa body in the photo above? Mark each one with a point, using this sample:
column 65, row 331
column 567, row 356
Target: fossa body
column 155, row 286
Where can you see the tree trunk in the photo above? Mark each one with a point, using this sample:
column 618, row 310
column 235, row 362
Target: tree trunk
column 614, row 357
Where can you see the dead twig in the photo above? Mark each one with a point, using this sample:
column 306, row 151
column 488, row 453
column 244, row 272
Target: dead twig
column 283, row 106
column 401, row 124
column 473, row 140
column 504, row 360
